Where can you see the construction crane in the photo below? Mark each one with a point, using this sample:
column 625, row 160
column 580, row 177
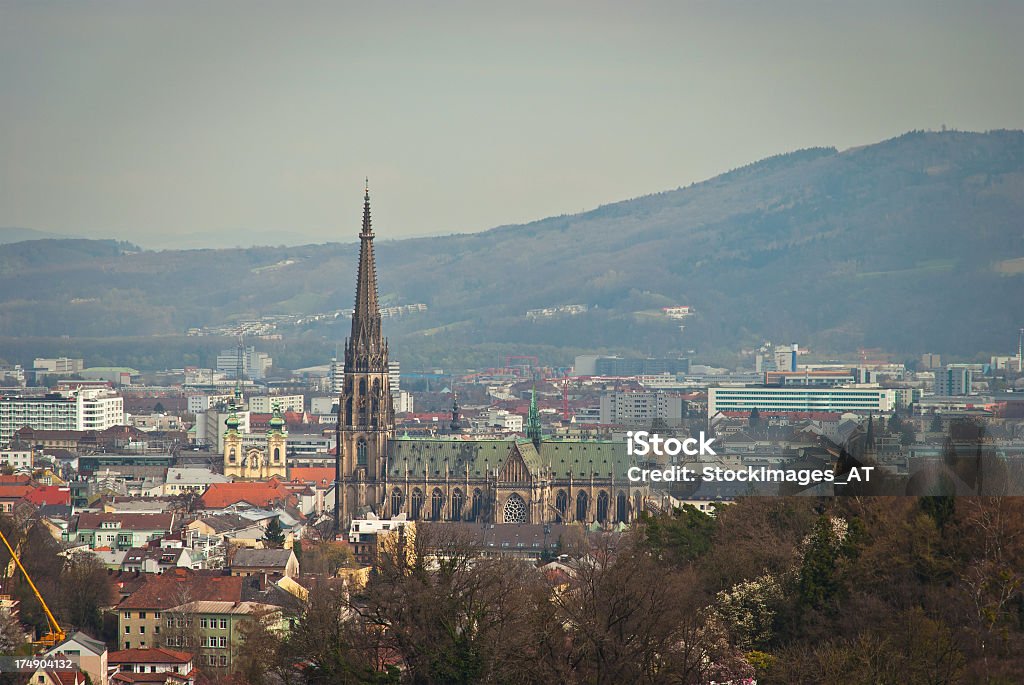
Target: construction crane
column 55, row 635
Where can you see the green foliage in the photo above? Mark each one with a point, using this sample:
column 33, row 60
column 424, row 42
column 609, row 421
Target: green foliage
column 274, row 535
column 682, row 536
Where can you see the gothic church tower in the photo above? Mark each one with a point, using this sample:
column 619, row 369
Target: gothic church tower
column 365, row 413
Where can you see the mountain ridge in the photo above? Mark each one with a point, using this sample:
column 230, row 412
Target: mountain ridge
column 873, row 246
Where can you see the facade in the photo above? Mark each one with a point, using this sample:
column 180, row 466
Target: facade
column 954, row 380
column 198, row 404
column 257, row 463
column 254, row 364
column 151, row 660
column 117, row 531
column 452, row 478
column 265, row 404
column 214, row 631
column 17, row 458
column 505, row 421
column 641, row 408
column 80, row 410
column 60, row 366
column 184, row 480
column 211, row 426
column 90, row 653
column 806, row 399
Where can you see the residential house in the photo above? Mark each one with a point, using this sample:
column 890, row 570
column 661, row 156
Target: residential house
column 140, row 615
column 91, row 655
column 118, row 531
column 248, row 562
column 181, row 481
column 214, row 630
column 152, row 665
column 156, row 559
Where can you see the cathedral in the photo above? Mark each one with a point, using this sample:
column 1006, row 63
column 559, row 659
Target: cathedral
column 531, row 480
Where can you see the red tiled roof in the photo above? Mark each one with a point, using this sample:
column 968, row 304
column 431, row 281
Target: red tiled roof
column 150, row 655
column 257, row 493
column 15, row 491
column 159, row 677
column 14, row 480
column 49, row 494
column 182, row 586
column 312, row 474
column 74, row 677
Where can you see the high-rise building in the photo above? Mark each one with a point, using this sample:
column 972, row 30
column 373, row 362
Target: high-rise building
column 254, row 364
column 953, row 380
column 641, row 408
column 86, row 409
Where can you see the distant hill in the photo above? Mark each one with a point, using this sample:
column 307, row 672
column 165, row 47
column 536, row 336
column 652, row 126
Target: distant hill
column 911, row 244
column 13, row 234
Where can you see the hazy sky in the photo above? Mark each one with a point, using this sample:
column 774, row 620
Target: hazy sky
column 146, row 120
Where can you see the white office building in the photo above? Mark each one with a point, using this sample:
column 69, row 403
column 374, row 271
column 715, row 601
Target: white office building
column 639, row 408
column 265, row 404
column 86, row 409
column 863, row 400
column 254, row 364
column 197, row 404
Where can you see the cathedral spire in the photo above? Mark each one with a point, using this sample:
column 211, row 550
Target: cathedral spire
column 365, row 349
column 533, row 428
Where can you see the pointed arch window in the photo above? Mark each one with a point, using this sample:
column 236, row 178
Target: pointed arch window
column 562, row 505
column 457, row 500
column 621, row 508
column 582, row 505
column 396, row 502
column 361, row 452
column 436, row 505
column 478, row 505
column 602, row 507
column 416, row 504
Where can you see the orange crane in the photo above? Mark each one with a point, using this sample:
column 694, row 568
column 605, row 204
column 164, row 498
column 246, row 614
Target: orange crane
column 55, row 635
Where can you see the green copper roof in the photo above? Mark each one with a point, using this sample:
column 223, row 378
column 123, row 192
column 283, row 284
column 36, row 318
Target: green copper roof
column 564, row 459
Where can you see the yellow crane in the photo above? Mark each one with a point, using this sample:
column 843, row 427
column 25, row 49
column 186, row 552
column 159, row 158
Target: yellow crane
column 55, row 635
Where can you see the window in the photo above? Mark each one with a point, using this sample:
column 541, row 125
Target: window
column 224, row 660
column 156, row 614
column 223, row 624
column 202, row 623
column 127, row 629
column 170, row 622
column 142, row 629
column 223, row 642
column 127, row 645
column 127, row 614
column 142, row 614
column 361, row 452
